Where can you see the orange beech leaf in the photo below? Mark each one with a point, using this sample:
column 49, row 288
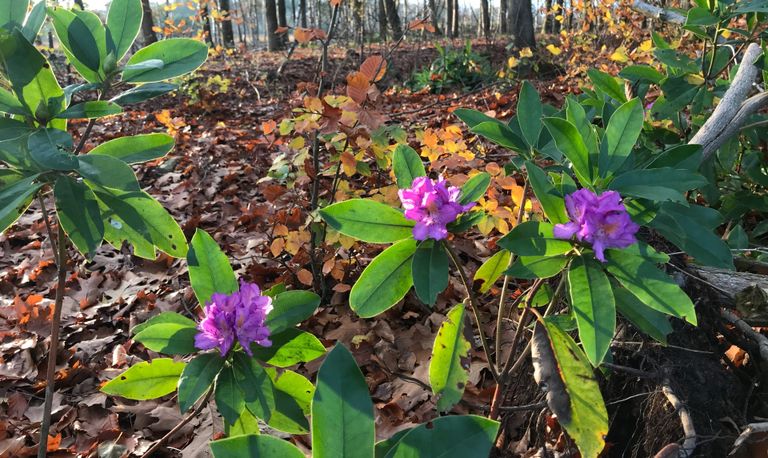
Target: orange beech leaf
column 306, row 35
column 374, row 67
column 335, row 2
column 421, row 24
column 305, row 276
column 268, row 126
column 280, row 30
column 357, row 86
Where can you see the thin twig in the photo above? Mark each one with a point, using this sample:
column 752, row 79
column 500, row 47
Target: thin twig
column 535, row 406
column 630, row 370
column 689, row 444
column 181, row 424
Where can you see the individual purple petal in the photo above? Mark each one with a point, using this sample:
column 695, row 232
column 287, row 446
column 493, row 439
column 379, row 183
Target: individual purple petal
column 433, row 205
column 565, row 231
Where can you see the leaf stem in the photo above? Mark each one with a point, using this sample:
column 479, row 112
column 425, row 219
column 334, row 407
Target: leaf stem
column 473, row 305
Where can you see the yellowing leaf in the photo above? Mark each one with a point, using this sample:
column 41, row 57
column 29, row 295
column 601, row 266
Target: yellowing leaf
column 620, row 55
column 696, row 80
column 646, row 46
column 526, row 52
column 554, row 49
column 512, row 62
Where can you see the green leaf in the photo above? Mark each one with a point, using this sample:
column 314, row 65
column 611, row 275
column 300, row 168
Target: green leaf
column 91, row 110
column 384, row 447
column 78, row 213
column 289, row 347
column 34, row 21
column 123, row 23
column 456, row 436
column 293, row 397
column 501, row 134
column 29, row 73
column 572, row 391
column 197, row 378
column 246, row 423
column 594, row 307
column 449, row 366
column 620, row 136
column 646, row 319
column 10, row 104
column 679, row 157
column 532, row 267
column 662, row 184
column 178, row 55
column 12, row 13
column 295, row 385
column 534, row 238
column 48, row 148
column 608, row 84
column 108, row 172
column 143, row 92
column 291, row 308
column 254, row 446
column 551, row 200
column 492, row 269
column 368, row 220
column 570, row 142
column 385, row 281
column 407, row 165
column 430, row 270
column 474, row 188
column 15, row 199
column 342, row 411
column 257, row 387
column 79, row 43
column 209, row 269
column 136, row 148
column 146, row 380
column 230, row 400
column 139, row 219
column 651, row 286
column 641, row 73
column 168, row 333
column 473, row 117
column 531, row 110
column 700, row 17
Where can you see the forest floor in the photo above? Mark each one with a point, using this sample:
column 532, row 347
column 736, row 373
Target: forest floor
column 214, row 180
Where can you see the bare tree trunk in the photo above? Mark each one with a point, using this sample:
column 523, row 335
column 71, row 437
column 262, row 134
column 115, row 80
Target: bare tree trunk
column 546, row 25
column 455, row 18
column 433, row 16
column 274, row 43
column 206, row 20
column 449, row 18
column 486, row 19
column 358, row 14
column 557, row 26
column 282, row 21
column 382, row 15
column 393, row 18
column 303, row 13
column 147, row 24
column 521, row 24
column 227, row 34
column 503, row 21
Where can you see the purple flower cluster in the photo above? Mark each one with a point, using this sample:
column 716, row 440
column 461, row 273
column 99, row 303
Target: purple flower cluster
column 600, row 220
column 433, row 205
column 238, row 316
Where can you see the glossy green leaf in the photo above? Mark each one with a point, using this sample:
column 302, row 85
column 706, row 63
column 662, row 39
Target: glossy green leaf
column 342, row 411
column 123, row 22
column 493, row 268
column 34, row 21
column 534, row 238
column 662, row 184
column 293, row 398
column 532, row 267
column 455, row 436
column 257, row 387
column 230, row 400
column 474, row 188
column 291, row 308
column 594, row 306
column 570, row 142
column 552, row 202
column 50, row 149
column 449, row 366
column 679, row 157
column 473, row 117
column 701, row 17
column 646, row 319
column 78, row 213
column 91, row 110
column 245, row 424
column 254, row 446
column 138, row 218
column 168, row 333
column 79, row 42
column 620, row 136
column 530, row 112
column 501, row 134
column 197, row 378
column 209, row 269
column 407, row 165
column 368, row 220
column 644, row 73
column 136, row 148
column 430, row 270
column 384, row 447
column 143, row 93
column 572, row 391
column 650, row 285
column 295, row 385
column 12, row 13
column 179, row 56
column 107, row 172
column 15, row 198
column 290, row 347
column 385, row 281
column 146, row 380
column 608, row 84
column 10, row 104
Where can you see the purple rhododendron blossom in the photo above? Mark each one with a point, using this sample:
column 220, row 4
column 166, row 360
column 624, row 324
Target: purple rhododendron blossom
column 238, row 316
column 433, row 205
column 600, row 220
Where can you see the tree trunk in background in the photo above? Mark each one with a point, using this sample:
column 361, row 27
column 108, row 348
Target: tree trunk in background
column 433, row 16
column 486, row 18
column 303, row 13
column 274, row 43
column 80, row 4
column 503, row 23
column 393, row 18
column 227, row 34
column 449, row 18
column 147, row 24
column 206, row 20
column 546, row 26
column 521, row 24
column 282, row 21
column 382, row 15
column 455, row 18
column 358, row 14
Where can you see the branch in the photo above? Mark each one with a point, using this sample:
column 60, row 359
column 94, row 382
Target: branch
column 655, row 12
column 689, row 444
column 747, row 330
column 751, row 429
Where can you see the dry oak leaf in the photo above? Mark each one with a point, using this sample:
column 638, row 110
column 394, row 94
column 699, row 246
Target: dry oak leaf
column 358, row 84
